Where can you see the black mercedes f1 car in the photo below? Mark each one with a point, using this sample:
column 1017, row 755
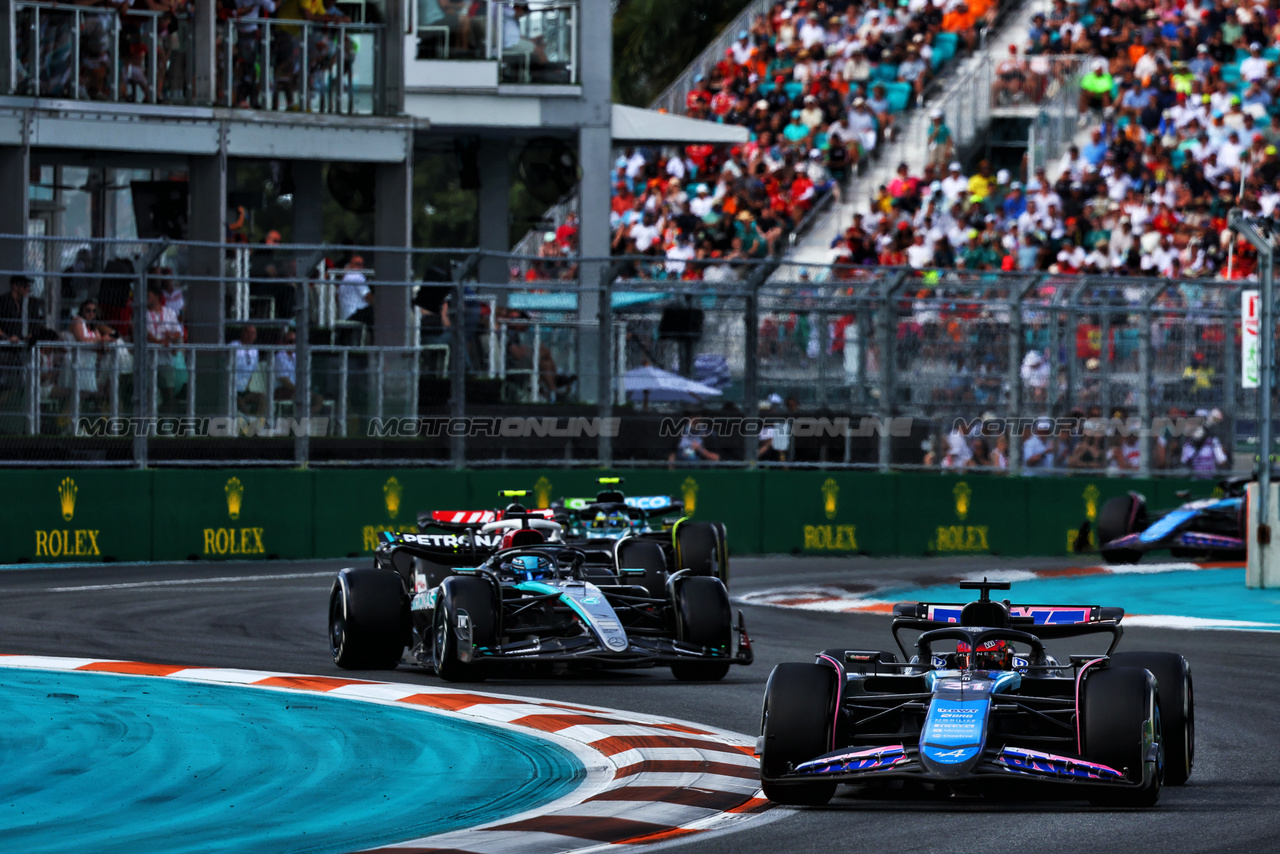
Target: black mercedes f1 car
column 508, row 593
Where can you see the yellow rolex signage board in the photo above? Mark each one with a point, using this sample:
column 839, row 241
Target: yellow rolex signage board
column 950, row 515
column 70, row 516
column 232, row 514
column 807, row 512
column 353, row 507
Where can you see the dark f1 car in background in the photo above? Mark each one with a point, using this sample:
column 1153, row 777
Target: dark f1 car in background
column 526, row 599
column 997, row 714
column 627, row 531
column 1212, row 527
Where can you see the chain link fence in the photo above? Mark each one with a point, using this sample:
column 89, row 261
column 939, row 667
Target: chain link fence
column 308, row 355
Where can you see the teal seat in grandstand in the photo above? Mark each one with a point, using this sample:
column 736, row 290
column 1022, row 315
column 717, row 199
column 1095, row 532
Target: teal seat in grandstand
column 767, row 87
column 885, row 72
column 1231, row 74
column 793, row 88
column 898, row 96
column 1271, row 54
column 944, row 47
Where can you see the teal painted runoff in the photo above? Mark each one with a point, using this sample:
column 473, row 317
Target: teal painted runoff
column 104, row 763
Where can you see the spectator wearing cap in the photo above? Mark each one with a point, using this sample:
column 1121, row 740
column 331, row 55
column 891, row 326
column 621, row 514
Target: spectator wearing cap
column 913, row 70
column 741, row 48
column 1254, row 66
column 862, row 124
column 1011, row 77
column 938, row 137
column 812, row 115
column 1015, row 203
column 1095, row 87
column 797, row 132
column 955, row 185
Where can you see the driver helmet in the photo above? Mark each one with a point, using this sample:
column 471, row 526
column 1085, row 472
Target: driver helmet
column 619, row 519
column 991, row 655
column 530, row 567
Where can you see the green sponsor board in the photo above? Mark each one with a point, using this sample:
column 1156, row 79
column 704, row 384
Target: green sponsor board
column 232, row 514
column 954, row 515
column 353, row 507
column 76, row 515
column 807, row 512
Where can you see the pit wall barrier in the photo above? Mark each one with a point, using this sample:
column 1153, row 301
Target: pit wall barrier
column 243, row 514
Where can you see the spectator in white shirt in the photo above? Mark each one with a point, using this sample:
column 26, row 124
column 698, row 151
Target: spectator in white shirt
column 355, row 298
column 250, row 402
column 919, row 254
column 955, row 186
column 1255, row 66
column 285, row 364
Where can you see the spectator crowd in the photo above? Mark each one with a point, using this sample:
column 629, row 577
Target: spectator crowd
column 820, row 86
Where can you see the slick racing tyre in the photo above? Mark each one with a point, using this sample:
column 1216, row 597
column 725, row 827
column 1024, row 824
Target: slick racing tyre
column 462, row 599
column 1119, row 517
column 799, row 706
column 703, row 618
column 699, row 548
column 368, row 616
column 1177, row 708
column 642, row 554
column 1119, row 714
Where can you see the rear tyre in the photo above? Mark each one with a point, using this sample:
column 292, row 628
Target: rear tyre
column 1119, row 517
column 1120, row 717
column 1177, row 708
column 473, row 596
column 698, row 549
column 640, row 554
column 368, row 616
column 703, row 618
column 799, row 706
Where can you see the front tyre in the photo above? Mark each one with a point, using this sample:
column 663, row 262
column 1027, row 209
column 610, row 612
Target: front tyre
column 704, row 619
column 1119, row 517
column 1177, row 708
column 368, row 619
column 463, row 601
column 698, row 548
column 1120, row 722
column 796, row 722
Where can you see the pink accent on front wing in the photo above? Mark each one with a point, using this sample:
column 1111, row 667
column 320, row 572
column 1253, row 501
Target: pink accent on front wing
column 839, row 696
column 1079, row 681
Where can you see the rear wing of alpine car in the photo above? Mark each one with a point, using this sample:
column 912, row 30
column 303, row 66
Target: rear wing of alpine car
column 1047, row 622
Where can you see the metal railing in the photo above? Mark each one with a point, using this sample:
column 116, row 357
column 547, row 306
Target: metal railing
column 1057, row 121
column 534, row 41
column 305, row 66
column 89, row 53
column 100, row 54
column 927, row 357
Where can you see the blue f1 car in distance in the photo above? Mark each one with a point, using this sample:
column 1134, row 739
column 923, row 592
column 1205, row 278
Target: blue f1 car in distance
column 998, row 713
column 1211, row 527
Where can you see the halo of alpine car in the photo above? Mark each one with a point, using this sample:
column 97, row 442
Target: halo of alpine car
column 976, row 705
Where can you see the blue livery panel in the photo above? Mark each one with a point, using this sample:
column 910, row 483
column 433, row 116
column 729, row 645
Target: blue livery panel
column 954, row 730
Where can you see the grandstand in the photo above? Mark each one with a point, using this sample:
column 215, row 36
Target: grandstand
column 814, row 211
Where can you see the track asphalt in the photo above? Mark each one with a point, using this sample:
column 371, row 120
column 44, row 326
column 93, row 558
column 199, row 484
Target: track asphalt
column 272, row 617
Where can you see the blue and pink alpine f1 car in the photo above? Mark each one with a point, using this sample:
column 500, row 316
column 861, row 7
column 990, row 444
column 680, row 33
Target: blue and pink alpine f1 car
column 980, row 706
column 1210, row 527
